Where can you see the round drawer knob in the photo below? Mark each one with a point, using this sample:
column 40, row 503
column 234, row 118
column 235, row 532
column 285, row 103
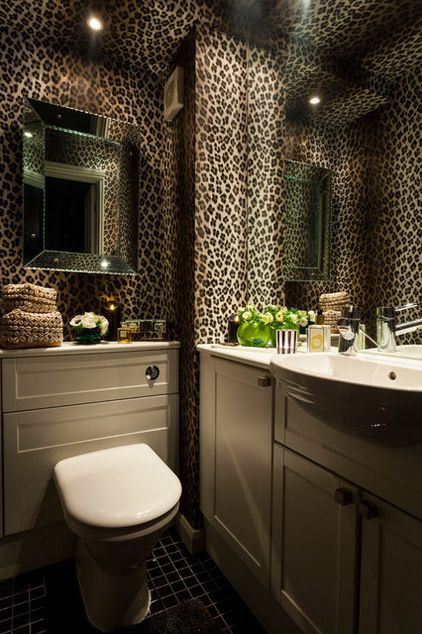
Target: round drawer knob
column 152, row 373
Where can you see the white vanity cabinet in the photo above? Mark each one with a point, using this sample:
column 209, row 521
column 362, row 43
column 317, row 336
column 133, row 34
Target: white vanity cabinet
column 337, row 549
column 345, row 560
column 61, row 402
column 235, row 458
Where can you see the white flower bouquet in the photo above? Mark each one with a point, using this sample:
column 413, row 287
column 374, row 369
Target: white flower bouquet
column 89, row 327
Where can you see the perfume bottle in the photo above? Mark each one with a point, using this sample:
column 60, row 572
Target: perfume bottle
column 319, row 316
column 124, row 335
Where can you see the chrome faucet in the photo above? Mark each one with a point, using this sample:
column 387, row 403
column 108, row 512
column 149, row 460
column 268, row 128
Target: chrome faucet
column 348, row 327
column 388, row 328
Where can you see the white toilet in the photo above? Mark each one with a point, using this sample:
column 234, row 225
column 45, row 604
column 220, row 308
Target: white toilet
column 117, row 501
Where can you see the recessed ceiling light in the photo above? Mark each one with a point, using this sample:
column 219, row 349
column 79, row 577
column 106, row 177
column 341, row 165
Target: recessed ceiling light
column 104, row 264
column 28, row 135
column 95, row 23
column 315, row 100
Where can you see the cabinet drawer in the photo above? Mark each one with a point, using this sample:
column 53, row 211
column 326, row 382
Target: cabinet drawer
column 33, row 382
column 34, row 441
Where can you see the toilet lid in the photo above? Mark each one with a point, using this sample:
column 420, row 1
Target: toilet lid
column 118, row 487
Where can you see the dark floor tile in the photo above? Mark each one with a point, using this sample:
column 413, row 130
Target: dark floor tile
column 183, row 595
column 170, row 601
column 6, row 613
column 47, row 601
column 26, row 629
column 5, row 602
column 177, row 586
column 197, row 591
column 6, row 626
column 39, row 627
column 157, row 606
column 20, row 620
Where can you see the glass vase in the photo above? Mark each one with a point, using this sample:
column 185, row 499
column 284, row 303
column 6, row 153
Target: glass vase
column 88, row 336
column 256, row 335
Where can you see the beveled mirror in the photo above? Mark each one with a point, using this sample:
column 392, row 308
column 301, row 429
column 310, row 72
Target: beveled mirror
column 80, row 191
column 308, row 221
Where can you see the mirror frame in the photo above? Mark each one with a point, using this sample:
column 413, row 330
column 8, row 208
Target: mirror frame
column 117, row 263
column 319, row 178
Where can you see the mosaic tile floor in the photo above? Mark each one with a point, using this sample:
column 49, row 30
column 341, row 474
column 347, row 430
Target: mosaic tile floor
column 47, row 601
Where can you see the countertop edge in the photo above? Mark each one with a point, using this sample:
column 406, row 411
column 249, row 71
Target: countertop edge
column 72, row 348
column 259, row 359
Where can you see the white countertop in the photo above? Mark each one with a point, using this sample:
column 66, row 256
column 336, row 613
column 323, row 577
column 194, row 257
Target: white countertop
column 70, row 347
column 259, row 357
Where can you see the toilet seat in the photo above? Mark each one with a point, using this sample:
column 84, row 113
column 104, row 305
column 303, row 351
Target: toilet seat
column 117, row 493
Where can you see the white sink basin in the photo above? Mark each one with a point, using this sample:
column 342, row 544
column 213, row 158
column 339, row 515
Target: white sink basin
column 380, row 398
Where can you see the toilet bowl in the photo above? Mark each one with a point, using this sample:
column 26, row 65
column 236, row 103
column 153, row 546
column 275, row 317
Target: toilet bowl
column 117, row 501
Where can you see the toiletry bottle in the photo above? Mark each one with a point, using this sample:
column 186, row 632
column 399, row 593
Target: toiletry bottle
column 319, row 316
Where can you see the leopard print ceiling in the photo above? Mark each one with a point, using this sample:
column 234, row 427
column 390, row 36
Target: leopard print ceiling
column 147, row 34
column 138, row 34
column 344, row 27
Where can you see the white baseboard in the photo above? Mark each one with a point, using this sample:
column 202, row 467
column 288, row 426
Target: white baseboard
column 193, row 538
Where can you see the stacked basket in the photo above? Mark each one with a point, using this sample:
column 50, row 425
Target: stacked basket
column 331, row 304
column 30, row 318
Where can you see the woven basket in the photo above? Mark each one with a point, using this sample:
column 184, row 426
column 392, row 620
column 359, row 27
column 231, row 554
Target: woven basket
column 334, row 297
column 19, row 329
column 334, row 301
column 331, row 316
column 29, row 298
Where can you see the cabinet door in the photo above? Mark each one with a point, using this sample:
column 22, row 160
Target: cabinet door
column 391, row 571
column 314, row 556
column 236, row 459
column 34, row 441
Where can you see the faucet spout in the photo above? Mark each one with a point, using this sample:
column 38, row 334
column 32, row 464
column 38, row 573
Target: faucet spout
column 408, row 326
column 388, row 328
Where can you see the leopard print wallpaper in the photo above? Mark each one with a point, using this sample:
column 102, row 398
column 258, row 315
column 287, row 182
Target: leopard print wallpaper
column 221, row 145
column 208, row 145
column 266, row 151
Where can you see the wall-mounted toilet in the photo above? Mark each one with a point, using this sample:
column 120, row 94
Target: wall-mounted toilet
column 117, row 501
